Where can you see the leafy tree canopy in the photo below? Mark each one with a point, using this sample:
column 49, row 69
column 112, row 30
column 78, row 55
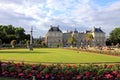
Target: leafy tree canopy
column 72, row 41
column 115, row 36
column 89, row 37
column 9, row 33
column 0, row 41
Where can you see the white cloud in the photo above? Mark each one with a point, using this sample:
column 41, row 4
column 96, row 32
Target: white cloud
column 69, row 14
column 108, row 18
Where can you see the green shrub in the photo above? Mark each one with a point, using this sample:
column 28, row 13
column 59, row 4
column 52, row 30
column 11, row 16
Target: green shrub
column 0, row 42
column 28, row 71
column 12, row 69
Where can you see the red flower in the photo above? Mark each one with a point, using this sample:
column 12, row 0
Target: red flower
column 87, row 73
column 39, row 75
column 29, row 75
column 68, row 65
column 47, row 76
column 50, row 74
column 74, row 66
column 99, row 77
column 12, row 73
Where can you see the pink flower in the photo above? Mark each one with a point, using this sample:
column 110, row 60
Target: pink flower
column 5, row 72
column 118, row 76
column 4, row 64
column 33, row 71
column 109, row 76
column 79, row 77
column 115, row 73
column 34, row 66
column 21, row 74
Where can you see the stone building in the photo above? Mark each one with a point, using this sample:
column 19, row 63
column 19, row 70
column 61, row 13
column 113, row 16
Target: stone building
column 79, row 37
column 55, row 37
column 98, row 37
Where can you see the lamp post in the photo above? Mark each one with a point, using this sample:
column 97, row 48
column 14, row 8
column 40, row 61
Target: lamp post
column 31, row 39
column 82, row 45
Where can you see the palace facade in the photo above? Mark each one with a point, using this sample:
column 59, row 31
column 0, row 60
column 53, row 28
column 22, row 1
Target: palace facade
column 55, row 37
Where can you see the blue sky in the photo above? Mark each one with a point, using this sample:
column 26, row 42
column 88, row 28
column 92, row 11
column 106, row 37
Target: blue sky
column 68, row 14
column 105, row 2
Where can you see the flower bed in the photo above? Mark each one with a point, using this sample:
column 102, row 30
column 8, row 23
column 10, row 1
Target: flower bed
column 59, row 71
column 99, row 51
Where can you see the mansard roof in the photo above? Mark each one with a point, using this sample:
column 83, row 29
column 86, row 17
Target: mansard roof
column 87, row 31
column 54, row 29
column 97, row 30
column 70, row 32
column 75, row 31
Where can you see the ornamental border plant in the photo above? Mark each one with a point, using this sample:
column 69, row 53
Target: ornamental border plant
column 60, row 71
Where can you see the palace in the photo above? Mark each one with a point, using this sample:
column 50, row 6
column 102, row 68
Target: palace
column 55, row 37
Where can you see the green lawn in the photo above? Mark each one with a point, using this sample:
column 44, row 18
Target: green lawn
column 55, row 55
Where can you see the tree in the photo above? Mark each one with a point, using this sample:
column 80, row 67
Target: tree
column 10, row 38
column 9, row 32
column 60, row 45
column 27, row 36
column 23, row 41
column 13, row 42
column 20, row 35
column 28, row 43
column 10, row 29
column 37, row 41
column 108, row 42
column 72, row 41
column 0, row 42
column 89, row 37
column 115, row 36
column 3, row 36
